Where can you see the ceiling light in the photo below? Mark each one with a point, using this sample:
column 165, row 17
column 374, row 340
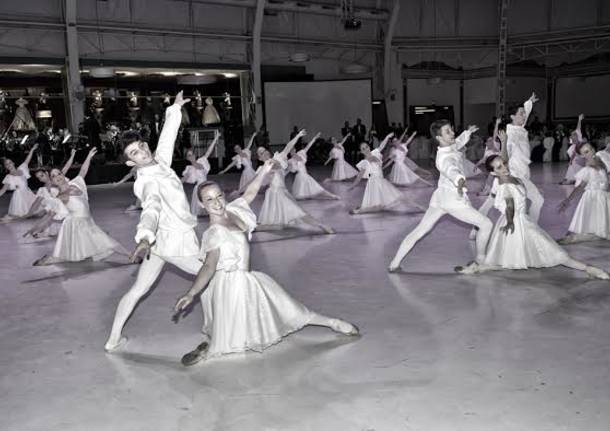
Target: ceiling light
column 230, row 75
column 102, row 72
column 169, row 73
column 299, row 57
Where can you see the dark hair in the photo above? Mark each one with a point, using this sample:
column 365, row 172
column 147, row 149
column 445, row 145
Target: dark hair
column 489, row 160
column 129, row 137
column 204, row 185
column 582, row 144
column 436, row 126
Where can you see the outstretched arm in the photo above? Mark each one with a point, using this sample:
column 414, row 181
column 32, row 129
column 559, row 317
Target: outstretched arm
column 167, row 138
column 359, row 177
column 385, row 141
column 313, row 141
column 204, row 276
column 402, row 137
column 388, row 163
column 208, row 152
column 85, row 166
column 344, row 140
column 228, row 168
column 125, row 178
column 410, row 138
column 579, row 127
column 68, row 164
column 255, row 185
column 528, row 105
column 464, row 137
column 290, row 145
column 564, row 204
column 251, row 141
column 28, row 159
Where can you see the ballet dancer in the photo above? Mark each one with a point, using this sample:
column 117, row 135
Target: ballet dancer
column 517, row 242
column 492, row 148
column 342, row 170
column 304, row 185
column 401, row 174
column 577, row 162
column 79, row 238
column 410, row 163
column 166, row 231
column 242, row 159
column 280, row 209
column 16, row 180
column 379, row 194
column 137, row 205
column 450, row 196
column 197, row 173
column 591, row 220
column 243, row 310
column 518, row 151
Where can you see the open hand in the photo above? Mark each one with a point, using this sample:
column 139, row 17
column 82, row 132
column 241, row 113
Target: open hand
column 92, row 152
column 581, row 117
column 534, row 98
column 508, row 228
column 302, row 133
column 472, row 128
column 142, row 248
column 461, row 185
column 179, row 100
column 183, row 302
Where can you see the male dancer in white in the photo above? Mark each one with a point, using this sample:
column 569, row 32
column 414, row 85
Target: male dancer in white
column 518, row 147
column 450, row 196
column 166, row 230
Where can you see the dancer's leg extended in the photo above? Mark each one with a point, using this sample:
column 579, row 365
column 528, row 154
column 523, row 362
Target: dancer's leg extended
column 472, row 216
column 536, row 199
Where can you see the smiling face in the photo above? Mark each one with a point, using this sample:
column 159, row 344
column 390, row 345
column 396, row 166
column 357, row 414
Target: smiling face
column 57, row 178
column 138, row 154
column 519, row 117
column 9, row 165
column 43, row 177
column 446, row 135
column 365, row 149
column 212, row 198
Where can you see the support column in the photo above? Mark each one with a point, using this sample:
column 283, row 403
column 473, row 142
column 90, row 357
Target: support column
column 392, row 72
column 257, row 82
column 502, row 54
column 74, row 86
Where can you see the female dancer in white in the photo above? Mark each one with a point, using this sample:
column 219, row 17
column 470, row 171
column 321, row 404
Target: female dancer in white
column 517, row 242
column 279, row 208
column 242, row 159
column 197, row 173
column 450, row 195
column 342, row 170
column 591, row 220
column 137, row 205
column 492, row 148
column 379, row 194
column 79, row 237
column 304, row 185
column 577, row 162
column 17, row 181
column 243, row 310
column 421, row 172
column 401, row 174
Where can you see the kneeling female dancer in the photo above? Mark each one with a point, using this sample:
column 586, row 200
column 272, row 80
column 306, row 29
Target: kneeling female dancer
column 243, row 309
column 342, row 170
column 516, row 241
column 242, row 160
column 304, row 185
column 17, row 181
column 197, row 173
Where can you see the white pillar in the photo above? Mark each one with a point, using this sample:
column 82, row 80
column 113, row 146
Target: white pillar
column 256, row 61
column 73, row 83
column 392, row 73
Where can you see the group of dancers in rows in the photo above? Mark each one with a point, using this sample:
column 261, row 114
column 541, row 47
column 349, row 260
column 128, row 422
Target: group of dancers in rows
column 247, row 310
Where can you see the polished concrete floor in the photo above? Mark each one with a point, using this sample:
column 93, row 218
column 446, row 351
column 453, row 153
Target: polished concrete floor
column 519, row 351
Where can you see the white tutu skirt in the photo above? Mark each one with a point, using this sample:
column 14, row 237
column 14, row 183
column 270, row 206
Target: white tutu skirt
column 573, row 169
column 21, row 202
column 247, row 175
column 379, row 192
column 343, row 171
column 279, row 208
column 527, row 247
column 305, row 186
column 80, row 238
column 470, row 169
column 411, row 164
column 401, row 175
column 248, row 311
column 592, row 215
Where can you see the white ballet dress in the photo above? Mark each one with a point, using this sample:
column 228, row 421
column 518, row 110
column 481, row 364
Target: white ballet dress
column 244, row 310
column 304, row 185
column 401, row 174
column 592, row 215
column 47, row 203
column 244, row 160
column 379, row 192
column 341, row 169
column 577, row 162
column 194, row 175
column 528, row 246
column 22, row 198
column 279, row 207
column 79, row 237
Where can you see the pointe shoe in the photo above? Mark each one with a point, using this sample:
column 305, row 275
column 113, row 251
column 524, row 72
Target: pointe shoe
column 597, row 273
column 113, row 347
column 194, row 356
column 41, row 262
column 344, row 327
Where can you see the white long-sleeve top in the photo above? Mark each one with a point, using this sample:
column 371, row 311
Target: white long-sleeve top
column 518, row 146
column 450, row 164
column 166, row 221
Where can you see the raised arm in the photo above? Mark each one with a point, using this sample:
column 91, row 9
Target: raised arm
column 464, row 137
column 68, row 164
column 410, row 139
column 208, row 152
column 167, row 138
column 344, row 140
column 385, row 142
column 528, row 105
column 402, row 137
column 28, row 159
column 313, row 141
column 290, row 145
column 495, row 133
column 85, row 166
column 579, row 127
column 255, row 185
column 503, row 147
column 251, row 141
